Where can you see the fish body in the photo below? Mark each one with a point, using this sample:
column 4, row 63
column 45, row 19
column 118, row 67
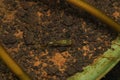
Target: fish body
column 60, row 43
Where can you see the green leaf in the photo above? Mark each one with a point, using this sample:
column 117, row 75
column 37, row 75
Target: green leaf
column 102, row 65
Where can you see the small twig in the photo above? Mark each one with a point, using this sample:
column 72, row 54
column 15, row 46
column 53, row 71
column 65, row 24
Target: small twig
column 13, row 65
column 95, row 12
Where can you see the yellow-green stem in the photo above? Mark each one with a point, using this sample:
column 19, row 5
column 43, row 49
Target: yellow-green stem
column 12, row 65
column 95, row 12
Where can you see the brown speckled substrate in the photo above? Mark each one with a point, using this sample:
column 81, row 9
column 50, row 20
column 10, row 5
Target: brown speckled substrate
column 26, row 26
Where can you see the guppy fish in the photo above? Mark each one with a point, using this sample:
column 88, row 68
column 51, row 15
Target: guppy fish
column 60, row 43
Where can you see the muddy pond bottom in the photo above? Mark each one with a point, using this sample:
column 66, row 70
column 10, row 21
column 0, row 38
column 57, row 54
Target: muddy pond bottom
column 51, row 42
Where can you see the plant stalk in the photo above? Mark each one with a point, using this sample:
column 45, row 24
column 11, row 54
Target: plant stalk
column 13, row 65
column 95, row 12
